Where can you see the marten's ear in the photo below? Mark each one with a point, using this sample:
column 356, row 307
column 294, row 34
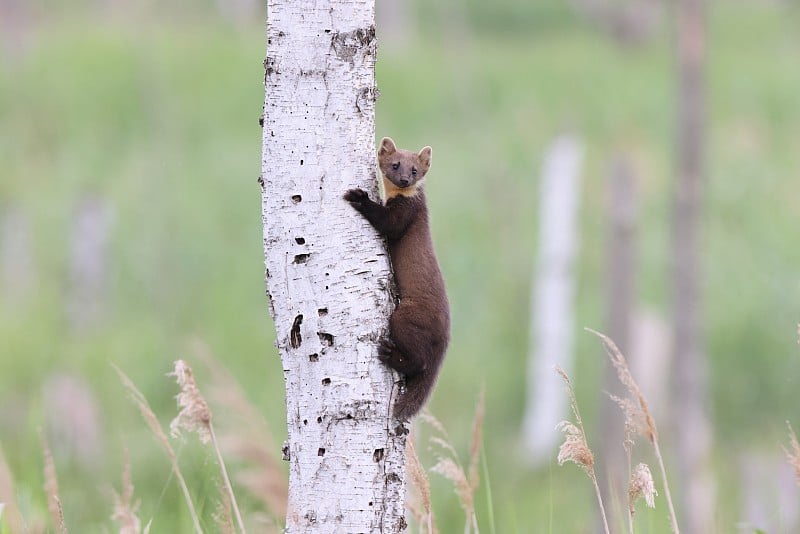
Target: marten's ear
column 387, row 147
column 425, row 158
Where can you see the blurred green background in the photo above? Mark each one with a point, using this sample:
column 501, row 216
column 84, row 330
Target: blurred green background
column 131, row 230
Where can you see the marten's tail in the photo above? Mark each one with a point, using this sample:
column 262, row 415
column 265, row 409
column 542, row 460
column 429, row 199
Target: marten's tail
column 417, row 390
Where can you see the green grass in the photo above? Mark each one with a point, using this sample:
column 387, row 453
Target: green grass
column 159, row 118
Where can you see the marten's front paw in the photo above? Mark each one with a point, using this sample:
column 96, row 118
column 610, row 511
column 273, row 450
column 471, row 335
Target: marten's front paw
column 356, row 196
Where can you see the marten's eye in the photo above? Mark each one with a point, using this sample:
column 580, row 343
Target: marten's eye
column 395, row 166
column 413, row 171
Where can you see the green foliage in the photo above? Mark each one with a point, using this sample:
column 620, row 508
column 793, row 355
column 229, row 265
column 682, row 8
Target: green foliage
column 159, row 118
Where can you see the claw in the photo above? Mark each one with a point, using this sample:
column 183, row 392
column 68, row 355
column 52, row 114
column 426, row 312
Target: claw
column 386, row 347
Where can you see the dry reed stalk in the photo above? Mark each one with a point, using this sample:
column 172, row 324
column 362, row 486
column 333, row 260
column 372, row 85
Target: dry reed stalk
column 245, row 436
column 631, row 411
column 637, row 414
column 195, row 416
column 223, row 517
column 575, row 448
column 793, row 453
column 420, row 481
column 51, row 488
column 155, row 427
column 8, row 502
column 464, row 482
column 124, row 507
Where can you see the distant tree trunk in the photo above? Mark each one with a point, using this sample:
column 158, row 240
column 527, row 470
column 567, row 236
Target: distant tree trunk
column 17, row 269
column 552, row 326
column 629, row 22
column 393, row 20
column 87, row 297
column 769, row 493
column 621, row 272
column 691, row 422
column 327, row 271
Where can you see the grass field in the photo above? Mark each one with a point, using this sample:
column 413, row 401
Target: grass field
column 156, row 119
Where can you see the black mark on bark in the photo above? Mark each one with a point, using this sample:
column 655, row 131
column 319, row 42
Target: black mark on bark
column 295, row 339
column 325, row 338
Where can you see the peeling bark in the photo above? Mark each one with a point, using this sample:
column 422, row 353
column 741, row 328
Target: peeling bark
column 327, row 271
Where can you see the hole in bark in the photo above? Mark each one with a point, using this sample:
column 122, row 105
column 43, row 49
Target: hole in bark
column 296, row 198
column 325, row 338
column 321, row 451
column 305, row 421
column 370, row 503
column 326, row 381
column 294, row 336
column 301, row 258
column 300, row 240
column 377, row 456
column 319, row 419
column 301, row 162
column 313, row 357
column 349, row 416
column 322, row 312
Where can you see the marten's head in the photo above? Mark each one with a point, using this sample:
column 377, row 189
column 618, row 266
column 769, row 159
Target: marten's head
column 403, row 171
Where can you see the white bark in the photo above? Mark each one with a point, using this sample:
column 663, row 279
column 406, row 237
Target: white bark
column 328, row 275
column 552, row 316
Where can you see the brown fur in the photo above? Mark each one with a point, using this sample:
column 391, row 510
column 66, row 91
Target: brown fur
column 419, row 328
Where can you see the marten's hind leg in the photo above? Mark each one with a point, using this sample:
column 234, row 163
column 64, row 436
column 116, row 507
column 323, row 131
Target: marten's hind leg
column 389, row 354
column 404, row 350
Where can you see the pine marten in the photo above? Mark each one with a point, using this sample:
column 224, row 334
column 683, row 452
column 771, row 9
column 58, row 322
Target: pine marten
column 419, row 328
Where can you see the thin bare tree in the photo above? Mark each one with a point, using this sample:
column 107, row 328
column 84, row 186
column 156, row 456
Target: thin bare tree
column 691, row 409
column 621, row 286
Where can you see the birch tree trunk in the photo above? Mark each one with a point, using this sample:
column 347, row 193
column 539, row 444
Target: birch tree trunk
column 327, row 271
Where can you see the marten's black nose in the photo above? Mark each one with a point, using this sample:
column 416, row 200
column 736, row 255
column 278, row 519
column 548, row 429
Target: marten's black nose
column 403, row 182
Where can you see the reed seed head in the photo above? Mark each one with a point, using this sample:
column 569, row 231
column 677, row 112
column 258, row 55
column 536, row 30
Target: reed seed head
column 194, row 414
column 793, row 452
column 641, row 485
column 574, row 449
